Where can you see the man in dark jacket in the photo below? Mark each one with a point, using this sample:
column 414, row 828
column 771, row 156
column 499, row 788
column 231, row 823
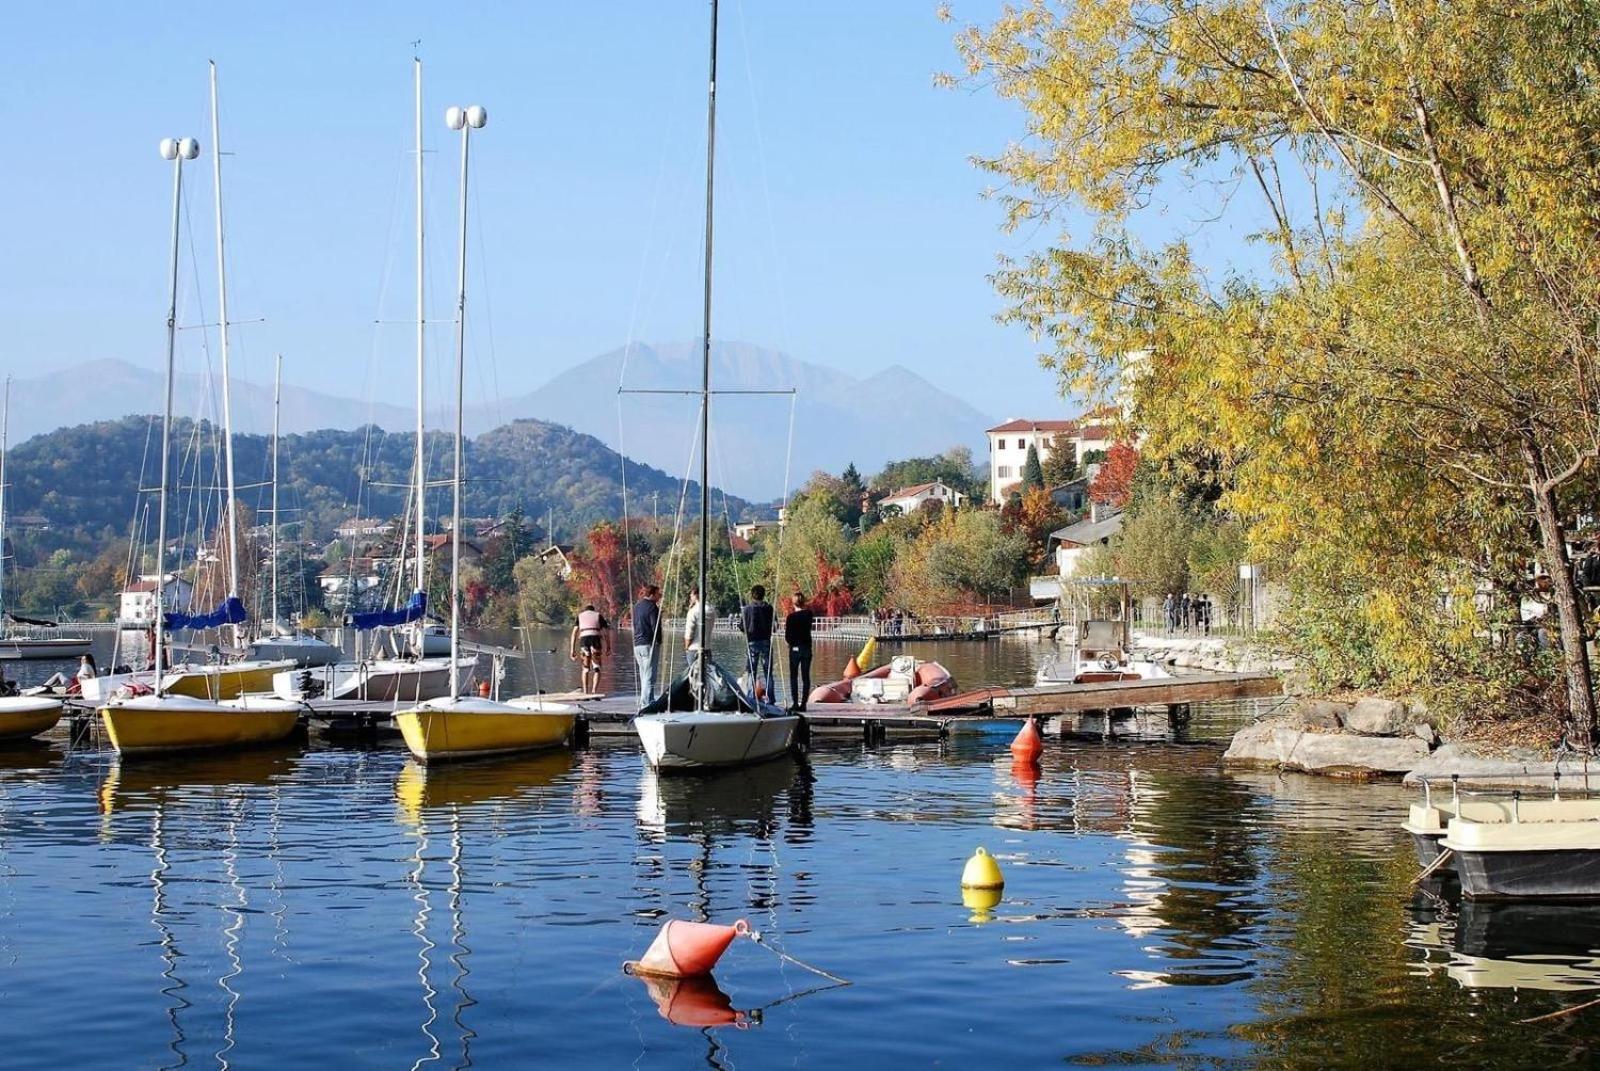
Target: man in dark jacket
column 797, row 635
column 755, row 621
column 647, row 641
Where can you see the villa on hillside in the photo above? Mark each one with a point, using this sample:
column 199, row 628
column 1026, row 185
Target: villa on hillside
column 364, row 526
column 910, row 499
column 137, row 607
column 1009, row 443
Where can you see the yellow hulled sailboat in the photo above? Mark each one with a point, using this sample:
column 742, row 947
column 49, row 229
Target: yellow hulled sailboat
column 22, row 716
column 455, row 726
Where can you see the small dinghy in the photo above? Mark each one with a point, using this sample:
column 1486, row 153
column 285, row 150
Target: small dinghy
column 149, row 724
column 462, row 727
column 682, row 730
column 902, row 681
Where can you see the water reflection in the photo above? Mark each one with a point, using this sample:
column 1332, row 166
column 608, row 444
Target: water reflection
column 1486, row 945
column 508, row 784
column 204, row 777
column 746, row 801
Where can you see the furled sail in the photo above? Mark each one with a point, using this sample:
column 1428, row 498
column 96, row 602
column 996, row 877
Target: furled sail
column 231, row 612
column 413, row 610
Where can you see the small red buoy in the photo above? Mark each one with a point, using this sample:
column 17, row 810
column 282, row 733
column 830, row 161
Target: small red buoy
column 1029, row 744
column 686, row 949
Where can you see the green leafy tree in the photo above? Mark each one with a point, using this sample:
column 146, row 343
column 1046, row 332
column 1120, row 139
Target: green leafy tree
column 543, row 598
column 1032, row 471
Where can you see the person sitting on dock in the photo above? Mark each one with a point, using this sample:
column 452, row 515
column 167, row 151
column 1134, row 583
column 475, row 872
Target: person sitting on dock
column 755, row 621
column 591, row 637
column 797, row 634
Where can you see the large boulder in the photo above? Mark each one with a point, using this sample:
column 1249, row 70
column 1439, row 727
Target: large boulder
column 1377, row 717
column 1276, row 743
column 1346, row 755
column 1254, row 745
column 1323, row 714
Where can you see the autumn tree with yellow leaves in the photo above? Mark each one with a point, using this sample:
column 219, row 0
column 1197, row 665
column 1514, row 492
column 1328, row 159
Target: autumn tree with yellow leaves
column 1406, row 401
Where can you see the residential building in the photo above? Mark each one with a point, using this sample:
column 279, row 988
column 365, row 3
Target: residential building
column 137, row 608
column 1073, row 541
column 910, row 499
column 1009, row 443
column 364, row 526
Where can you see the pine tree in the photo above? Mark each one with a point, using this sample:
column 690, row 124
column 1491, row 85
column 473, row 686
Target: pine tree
column 1032, row 471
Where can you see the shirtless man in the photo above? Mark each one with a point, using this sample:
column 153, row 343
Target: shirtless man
column 591, row 639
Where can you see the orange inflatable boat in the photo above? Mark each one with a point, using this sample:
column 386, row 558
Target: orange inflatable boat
column 904, row 681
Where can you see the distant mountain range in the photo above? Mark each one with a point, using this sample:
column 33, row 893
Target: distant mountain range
column 838, row 418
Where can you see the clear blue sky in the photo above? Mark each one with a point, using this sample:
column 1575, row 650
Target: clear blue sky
column 850, row 227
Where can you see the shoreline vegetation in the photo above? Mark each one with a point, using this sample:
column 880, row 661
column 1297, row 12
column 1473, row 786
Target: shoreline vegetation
column 1396, row 406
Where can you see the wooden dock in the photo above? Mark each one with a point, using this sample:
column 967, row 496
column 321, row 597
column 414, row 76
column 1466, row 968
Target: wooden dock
column 1068, row 709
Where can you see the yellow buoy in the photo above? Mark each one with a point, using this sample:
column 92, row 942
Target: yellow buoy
column 868, row 651
column 982, row 872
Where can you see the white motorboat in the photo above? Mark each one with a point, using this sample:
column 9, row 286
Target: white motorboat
column 1099, row 654
column 1531, row 850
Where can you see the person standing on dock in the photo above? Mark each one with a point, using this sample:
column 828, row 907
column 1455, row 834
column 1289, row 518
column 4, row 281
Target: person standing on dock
column 647, row 641
column 1170, row 609
column 797, row 635
column 755, row 621
column 693, row 625
column 590, row 642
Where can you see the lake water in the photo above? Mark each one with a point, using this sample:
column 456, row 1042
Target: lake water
column 322, row 906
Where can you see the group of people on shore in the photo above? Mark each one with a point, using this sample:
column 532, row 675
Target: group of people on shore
column 590, row 643
column 1187, row 612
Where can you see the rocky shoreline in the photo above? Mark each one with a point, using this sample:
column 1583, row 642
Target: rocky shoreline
column 1375, row 738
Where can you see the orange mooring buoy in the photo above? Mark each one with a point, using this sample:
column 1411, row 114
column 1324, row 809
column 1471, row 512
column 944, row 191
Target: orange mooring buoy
column 1029, row 744
column 686, row 949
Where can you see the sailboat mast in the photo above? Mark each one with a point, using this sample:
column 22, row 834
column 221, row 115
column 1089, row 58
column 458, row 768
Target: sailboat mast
column 277, row 400
column 422, row 484
column 465, row 120
column 705, row 361
column 5, row 444
column 229, row 515
column 176, row 150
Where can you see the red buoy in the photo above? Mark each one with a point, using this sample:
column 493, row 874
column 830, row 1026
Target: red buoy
column 686, row 949
column 1029, row 744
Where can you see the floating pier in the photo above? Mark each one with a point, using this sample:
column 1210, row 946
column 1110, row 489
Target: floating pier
column 1064, row 709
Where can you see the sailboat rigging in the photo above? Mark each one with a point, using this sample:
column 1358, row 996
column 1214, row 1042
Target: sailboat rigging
column 705, row 719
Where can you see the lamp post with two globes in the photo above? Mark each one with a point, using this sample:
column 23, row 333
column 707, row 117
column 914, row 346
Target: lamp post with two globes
column 178, row 150
column 465, row 120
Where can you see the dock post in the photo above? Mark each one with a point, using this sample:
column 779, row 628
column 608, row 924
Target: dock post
column 580, row 731
column 1178, row 716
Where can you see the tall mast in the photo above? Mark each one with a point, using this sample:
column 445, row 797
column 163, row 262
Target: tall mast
column 176, row 150
column 277, row 398
column 465, row 120
column 422, row 484
column 5, row 441
column 705, row 360
column 229, row 515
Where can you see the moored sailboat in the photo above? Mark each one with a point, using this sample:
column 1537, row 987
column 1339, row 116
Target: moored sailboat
column 705, row 720
column 161, row 721
column 457, row 726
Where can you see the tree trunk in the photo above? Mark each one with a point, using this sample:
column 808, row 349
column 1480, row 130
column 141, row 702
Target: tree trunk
column 1553, row 551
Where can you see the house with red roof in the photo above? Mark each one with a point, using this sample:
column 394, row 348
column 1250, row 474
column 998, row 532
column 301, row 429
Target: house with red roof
column 1009, row 443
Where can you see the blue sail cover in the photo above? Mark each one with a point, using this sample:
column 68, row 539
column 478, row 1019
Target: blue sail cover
column 231, row 612
column 413, row 610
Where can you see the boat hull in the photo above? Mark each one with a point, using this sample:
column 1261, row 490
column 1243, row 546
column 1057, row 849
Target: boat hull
column 381, row 681
column 1532, row 875
column 299, row 650
column 454, row 729
column 226, row 681
column 18, row 648
column 24, row 716
column 709, row 741
column 159, row 724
